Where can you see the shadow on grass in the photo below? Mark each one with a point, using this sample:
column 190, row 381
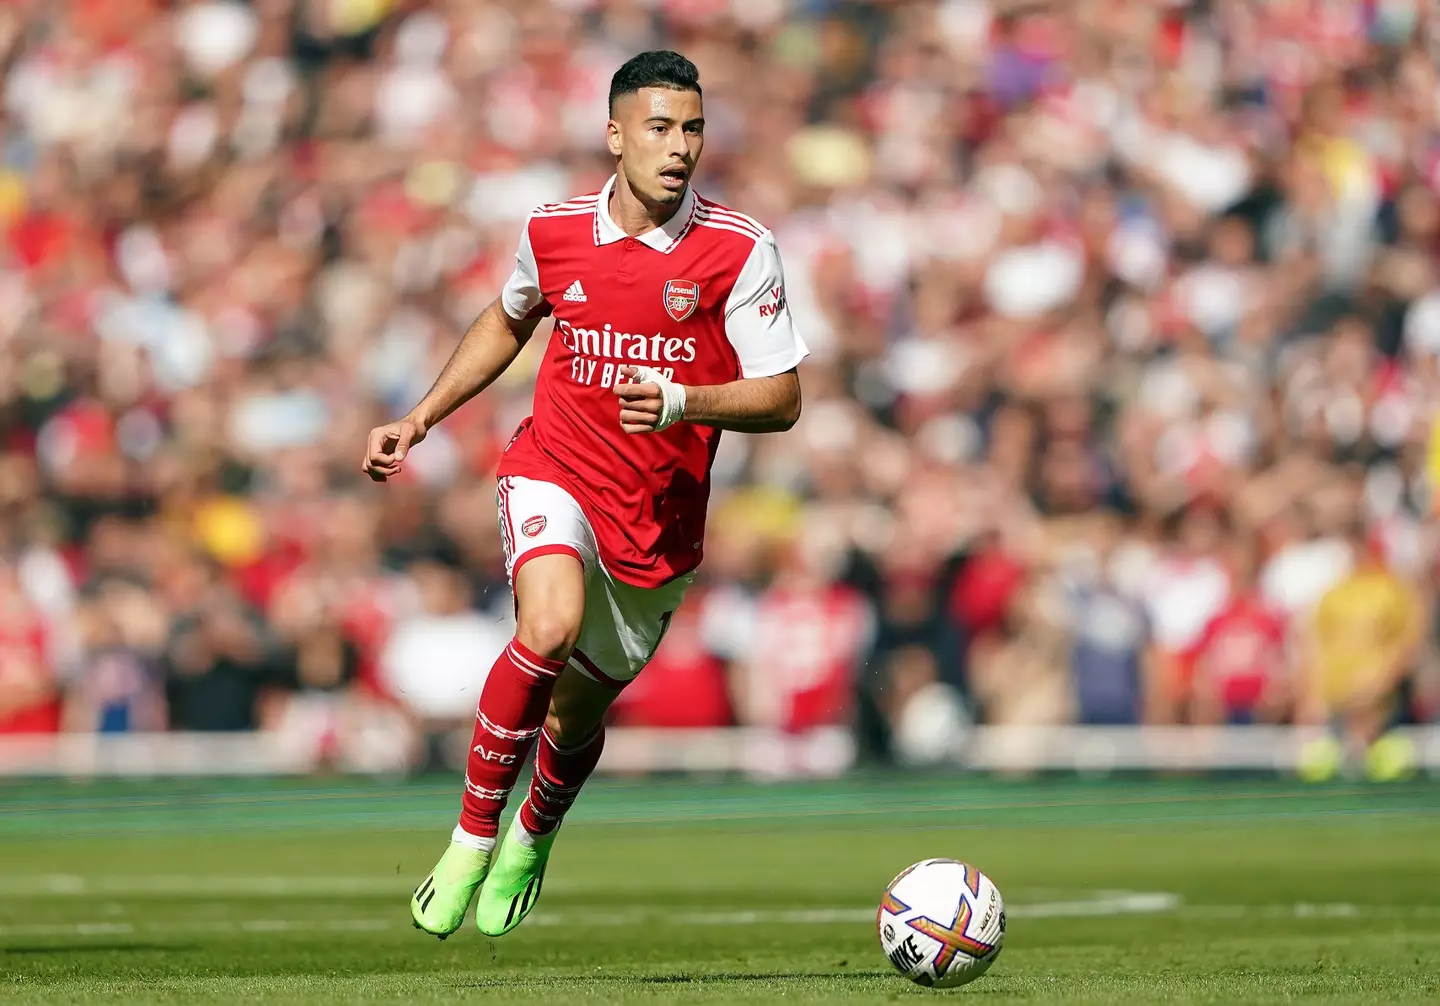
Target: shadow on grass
column 684, row 978
column 749, row 976
column 97, row 948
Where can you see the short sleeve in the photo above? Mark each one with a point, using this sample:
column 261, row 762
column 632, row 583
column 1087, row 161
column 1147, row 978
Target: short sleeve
column 521, row 297
column 757, row 320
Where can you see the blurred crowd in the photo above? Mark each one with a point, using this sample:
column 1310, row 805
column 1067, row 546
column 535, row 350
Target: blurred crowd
column 1125, row 320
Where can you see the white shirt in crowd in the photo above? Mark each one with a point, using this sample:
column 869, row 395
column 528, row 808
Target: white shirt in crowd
column 435, row 665
column 1300, row 573
column 1182, row 596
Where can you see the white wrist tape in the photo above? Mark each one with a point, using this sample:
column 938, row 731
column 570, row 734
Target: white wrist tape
column 672, row 396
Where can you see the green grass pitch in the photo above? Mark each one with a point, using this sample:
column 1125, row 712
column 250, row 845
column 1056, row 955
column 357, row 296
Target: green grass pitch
column 670, row 892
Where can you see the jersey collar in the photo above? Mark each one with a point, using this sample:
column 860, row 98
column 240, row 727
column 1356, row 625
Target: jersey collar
column 664, row 239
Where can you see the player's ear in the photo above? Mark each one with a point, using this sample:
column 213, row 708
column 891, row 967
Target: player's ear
column 612, row 137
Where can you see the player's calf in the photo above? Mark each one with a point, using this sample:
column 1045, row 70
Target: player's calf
column 550, row 596
column 513, row 706
column 559, row 774
column 562, row 767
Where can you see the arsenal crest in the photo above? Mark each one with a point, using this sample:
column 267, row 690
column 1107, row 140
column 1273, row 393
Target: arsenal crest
column 681, row 296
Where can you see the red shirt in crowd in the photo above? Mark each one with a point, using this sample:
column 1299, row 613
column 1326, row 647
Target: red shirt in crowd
column 807, row 645
column 684, row 685
column 1241, row 651
column 25, row 671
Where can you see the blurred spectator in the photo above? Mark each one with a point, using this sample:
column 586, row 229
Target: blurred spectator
column 686, row 685
column 798, row 664
column 926, row 717
column 1301, row 567
column 1361, row 647
column 215, row 657
column 1187, row 587
column 119, row 685
column 1239, row 669
column 439, row 651
column 1112, row 665
column 1018, row 675
column 30, row 699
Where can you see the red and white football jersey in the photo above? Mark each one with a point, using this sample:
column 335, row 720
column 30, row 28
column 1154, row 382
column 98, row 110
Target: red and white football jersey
column 1242, row 650
column 807, row 644
column 701, row 299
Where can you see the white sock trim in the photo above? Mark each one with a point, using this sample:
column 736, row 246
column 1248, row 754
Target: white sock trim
column 524, row 837
column 528, row 838
column 477, row 842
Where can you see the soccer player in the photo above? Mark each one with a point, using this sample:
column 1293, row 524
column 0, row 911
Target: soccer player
column 670, row 326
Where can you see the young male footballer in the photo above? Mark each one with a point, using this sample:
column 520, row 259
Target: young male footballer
column 670, row 326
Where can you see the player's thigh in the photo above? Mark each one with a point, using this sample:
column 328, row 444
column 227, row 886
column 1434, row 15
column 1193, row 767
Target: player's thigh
column 549, row 555
column 550, row 604
column 623, row 627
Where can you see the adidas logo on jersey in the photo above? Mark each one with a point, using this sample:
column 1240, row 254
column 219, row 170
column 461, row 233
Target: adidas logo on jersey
column 576, row 293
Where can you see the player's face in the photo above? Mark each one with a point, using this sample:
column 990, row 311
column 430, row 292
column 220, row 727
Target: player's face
column 657, row 133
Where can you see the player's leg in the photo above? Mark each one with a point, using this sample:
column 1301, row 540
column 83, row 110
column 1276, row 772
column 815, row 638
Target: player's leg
column 550, row 606
column 623, row 627
column 567, row 752
column 549, row 575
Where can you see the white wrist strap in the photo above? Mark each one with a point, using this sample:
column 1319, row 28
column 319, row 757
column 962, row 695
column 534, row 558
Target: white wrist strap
column 672, row 396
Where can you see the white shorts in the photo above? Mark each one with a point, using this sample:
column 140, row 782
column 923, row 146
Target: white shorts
column 623, row 624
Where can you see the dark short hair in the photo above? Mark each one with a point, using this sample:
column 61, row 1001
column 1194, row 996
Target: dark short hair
column 658, row 68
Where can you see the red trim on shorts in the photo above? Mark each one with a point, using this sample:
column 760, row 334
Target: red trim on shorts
column 503, row 488
column 595, row 672
column 540, row 550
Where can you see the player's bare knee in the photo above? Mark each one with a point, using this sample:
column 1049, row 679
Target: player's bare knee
column 548, row 635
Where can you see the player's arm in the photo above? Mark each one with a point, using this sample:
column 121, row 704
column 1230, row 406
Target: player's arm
column 758, row 326
column 488, row 347
column 750, row 405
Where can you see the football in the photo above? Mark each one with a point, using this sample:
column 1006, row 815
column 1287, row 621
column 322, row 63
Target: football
column 941, row 923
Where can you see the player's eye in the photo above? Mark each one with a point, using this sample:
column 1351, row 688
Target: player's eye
column 658, row 130
column 695, row 128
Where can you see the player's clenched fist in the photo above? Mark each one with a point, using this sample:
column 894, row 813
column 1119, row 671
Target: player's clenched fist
column 387, row 447
column 649, row 401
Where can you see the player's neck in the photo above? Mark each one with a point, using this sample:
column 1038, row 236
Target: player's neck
column 632, row 214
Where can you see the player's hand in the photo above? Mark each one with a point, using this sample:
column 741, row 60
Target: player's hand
column 640, row 404
column 387, row 447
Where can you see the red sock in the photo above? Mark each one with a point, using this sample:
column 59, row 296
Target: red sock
column 511, row 712
column 557, row 781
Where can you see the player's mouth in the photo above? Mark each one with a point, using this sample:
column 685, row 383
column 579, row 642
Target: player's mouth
column 674, row 178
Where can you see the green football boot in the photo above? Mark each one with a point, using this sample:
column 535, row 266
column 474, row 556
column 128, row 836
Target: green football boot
column 513, row 886
column 439, row 904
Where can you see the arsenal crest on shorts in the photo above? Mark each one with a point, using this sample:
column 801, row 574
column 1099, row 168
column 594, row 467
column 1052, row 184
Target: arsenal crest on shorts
column 681, row 296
